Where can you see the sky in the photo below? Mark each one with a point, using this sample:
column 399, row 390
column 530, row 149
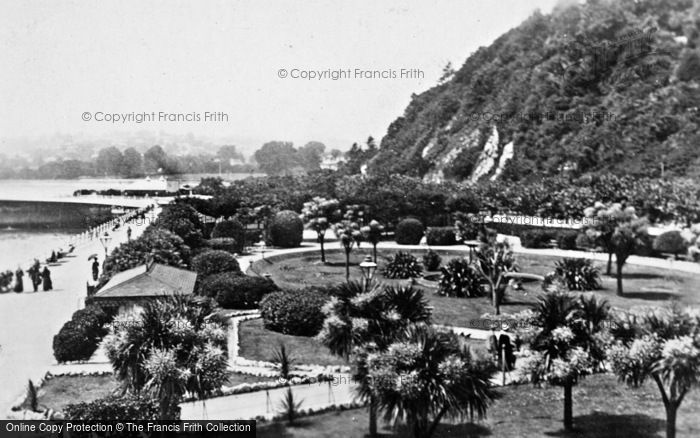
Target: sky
column 64, row 62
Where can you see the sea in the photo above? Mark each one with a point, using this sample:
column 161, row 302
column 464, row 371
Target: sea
column 21, row 246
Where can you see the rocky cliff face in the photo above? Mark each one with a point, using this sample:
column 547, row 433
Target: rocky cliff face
column 609, row 86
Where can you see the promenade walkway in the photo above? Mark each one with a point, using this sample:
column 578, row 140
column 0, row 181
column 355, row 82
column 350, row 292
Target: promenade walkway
column 30, row 320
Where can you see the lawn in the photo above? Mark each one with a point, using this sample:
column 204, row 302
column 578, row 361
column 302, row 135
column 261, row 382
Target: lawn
column 643, row 286
column 603, row 408
column 58, row 392
column 258, row 343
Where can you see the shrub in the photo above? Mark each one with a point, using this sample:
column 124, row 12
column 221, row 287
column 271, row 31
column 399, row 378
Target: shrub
column 584, row 241
column 440, row 236
column 402, row 265
column 671, row 242
column 578, row 274
column 537, row 238
column 297, row 312
column 431, row 260
column 79, row 338
column 566, row 239
column 409, row 232
column 114, row 408
column 286, row 229
column 233, row 291
column 230, row 229
column 459, row 279
column 227, row 244
column 215, row 262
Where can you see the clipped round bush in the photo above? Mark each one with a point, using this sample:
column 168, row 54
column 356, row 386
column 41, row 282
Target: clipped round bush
column 460, row 280
column 297, row 312
column 231, row 229
column 402, row 265
column 227, row 244
column 236, row 291
column 215, row 262
column 432, row 260
column 578, row 274
column 671, row 242
column 286, row 229
column 440, row 236
column 79, row 338
column 409, row 232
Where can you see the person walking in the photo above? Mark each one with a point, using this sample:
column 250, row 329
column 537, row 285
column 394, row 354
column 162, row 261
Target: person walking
column 128, row 233
column 35, row 275
column 19, row 285
column 46, row 276
column 95, row 269
column 493, row 347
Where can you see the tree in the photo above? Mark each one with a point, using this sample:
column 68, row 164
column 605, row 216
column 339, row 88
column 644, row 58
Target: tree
column 174, row 346
column 625, row 240
column 109, row 161
column 566, row 342
column 493, row 262
column 426, row 375
column 309, row 156
column 663, row 344
column 318, row 214
column 276, row 157
column 155, row 160
column 349, row 235
column 373, row 233
column 360, row 319
column 132, row 164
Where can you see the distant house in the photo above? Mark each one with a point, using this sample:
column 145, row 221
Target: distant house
column 128, row 291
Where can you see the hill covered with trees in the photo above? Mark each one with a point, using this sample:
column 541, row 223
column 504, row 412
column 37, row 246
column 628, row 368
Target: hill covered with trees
column 605, row 86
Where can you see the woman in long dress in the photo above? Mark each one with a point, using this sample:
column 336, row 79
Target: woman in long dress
column 19, row 285
column 46, row 276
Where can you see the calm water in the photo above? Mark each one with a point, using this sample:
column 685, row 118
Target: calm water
column 22, row 246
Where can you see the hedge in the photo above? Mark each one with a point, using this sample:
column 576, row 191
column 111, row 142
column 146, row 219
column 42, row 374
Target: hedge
column 231, row 229
column 227, row 244
column 79, row 338
column 286, row 229
column 297, row 312
column 409, row 232
column 215, row 262
column 236, row 291
column 440, row 236
column 115, row 408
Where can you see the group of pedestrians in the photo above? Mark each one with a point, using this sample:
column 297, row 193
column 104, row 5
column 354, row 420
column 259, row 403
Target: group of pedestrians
column 37, row 276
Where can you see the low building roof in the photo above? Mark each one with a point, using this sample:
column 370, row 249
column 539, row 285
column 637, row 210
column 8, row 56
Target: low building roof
column 150, row 280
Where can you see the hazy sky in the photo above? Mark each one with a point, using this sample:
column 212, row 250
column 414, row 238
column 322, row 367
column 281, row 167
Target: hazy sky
column 63, row 58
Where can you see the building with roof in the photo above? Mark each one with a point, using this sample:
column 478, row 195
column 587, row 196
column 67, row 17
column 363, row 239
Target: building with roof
column 129, row 290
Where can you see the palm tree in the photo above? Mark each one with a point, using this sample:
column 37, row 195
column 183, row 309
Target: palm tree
column 566, row 346
column 493, row 262
column 373, row 233
column 176, row 345
column 426, row 375
column 360, row 320
column 665, row 345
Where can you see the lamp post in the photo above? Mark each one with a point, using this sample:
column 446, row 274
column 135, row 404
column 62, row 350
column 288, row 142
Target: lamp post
column 368, row 267
column 105, row 239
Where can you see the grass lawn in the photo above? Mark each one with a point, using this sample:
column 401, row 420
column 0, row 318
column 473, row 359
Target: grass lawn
column 58, row 392
column 258, row 343
column 603, row 408
column 643, row 286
